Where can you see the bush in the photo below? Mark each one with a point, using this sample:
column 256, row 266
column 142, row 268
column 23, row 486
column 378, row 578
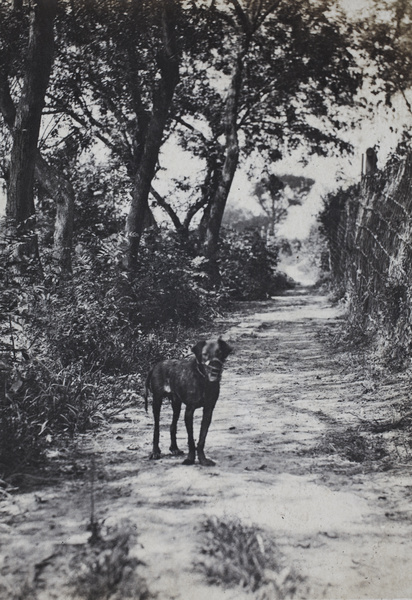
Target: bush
column 247, row 266
column 232, row 554
column 168, row 287
column 41, row 402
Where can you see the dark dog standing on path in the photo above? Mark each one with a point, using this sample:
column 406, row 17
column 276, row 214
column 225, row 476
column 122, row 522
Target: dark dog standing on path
column 195, row 381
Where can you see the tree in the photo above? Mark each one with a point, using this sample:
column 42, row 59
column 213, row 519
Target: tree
column 30, row 60
column 119, row 67
column 288, row 75
column 162, row 98
column 387, row 38
column 26, row 124
column 276, row 194
column 270, row 197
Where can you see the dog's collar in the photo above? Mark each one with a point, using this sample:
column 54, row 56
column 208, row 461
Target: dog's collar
column 199, row 370
column 200, row 367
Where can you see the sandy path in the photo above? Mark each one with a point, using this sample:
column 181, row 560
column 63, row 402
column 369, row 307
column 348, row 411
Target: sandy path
column 285, row 462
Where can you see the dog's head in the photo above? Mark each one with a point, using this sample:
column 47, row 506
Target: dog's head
column 211, row 355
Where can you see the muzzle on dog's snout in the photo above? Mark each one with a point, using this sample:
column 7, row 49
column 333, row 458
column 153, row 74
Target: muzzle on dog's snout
column 213, row 368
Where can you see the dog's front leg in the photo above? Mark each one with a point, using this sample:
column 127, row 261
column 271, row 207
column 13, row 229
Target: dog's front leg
column 189, row 413
column 177, row 405
column 204, row 427
column 157, row 405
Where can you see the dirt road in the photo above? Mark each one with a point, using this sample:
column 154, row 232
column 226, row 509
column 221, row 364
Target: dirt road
column 296, row 456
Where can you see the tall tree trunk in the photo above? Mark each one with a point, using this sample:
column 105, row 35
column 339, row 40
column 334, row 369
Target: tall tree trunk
column 20, row 204
column 162, row 99
column 216, row 208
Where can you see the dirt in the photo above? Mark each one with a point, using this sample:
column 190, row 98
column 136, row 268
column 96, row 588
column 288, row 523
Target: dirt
column 309, row 448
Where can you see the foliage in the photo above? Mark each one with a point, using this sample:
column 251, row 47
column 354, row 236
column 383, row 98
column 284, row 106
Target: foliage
column 290, row 68
column 387, row 38
column 168, row 285
column 247, row 266
column 105, row 321
column 108, row 56
column 40, row 403
column 121, row 41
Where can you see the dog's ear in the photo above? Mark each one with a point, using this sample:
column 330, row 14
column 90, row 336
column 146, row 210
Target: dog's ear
column 225, row 348
column 197, row 350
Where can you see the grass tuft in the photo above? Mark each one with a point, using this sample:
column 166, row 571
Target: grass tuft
column 105, row 570
column 236, row 555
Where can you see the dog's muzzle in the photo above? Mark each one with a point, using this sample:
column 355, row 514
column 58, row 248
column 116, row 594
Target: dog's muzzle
column 213, row 369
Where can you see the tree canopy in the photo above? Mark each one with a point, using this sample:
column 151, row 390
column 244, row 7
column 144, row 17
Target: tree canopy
column 225, row 81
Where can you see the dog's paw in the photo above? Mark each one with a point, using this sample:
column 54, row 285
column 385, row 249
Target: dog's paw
column 176, row 451
column 207, row 462
column 155, row 456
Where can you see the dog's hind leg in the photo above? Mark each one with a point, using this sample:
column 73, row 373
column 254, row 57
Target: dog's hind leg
column 157, row 405
column 176, row 405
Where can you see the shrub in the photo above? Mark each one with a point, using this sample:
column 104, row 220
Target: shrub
column 247, row 266
column 168, row 287
column 71, row 347
column 105, row 569
column 40, row 402
column 233, row 554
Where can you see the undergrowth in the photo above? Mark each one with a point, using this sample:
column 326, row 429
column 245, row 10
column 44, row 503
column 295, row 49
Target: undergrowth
column 104, row 568
column 233, row 554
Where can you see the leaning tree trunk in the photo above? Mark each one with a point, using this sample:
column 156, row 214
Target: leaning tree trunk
column 20, row 203
column 162, row 99
column 216, row 208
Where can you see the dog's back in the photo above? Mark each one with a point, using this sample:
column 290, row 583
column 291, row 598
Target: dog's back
column 169, row 376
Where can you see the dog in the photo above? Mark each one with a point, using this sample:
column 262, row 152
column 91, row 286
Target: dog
column 195, row 382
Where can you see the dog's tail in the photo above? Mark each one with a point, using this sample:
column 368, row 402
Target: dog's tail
column 147, row 389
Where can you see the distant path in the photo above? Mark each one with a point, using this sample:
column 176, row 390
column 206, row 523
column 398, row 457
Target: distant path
column 292, row 458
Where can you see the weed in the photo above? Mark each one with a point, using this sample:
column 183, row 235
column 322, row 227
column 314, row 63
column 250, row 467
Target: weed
column 236, row 555
column 103, row 569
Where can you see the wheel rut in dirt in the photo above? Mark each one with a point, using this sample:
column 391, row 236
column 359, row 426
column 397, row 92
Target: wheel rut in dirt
column 291, row 458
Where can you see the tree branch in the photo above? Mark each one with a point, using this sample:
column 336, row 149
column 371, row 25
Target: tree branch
column 168, row 209
column 242, row 16
column 193, row 210
column 191, row 128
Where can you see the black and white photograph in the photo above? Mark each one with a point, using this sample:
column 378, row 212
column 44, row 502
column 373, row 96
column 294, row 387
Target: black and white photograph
column 205, row 299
